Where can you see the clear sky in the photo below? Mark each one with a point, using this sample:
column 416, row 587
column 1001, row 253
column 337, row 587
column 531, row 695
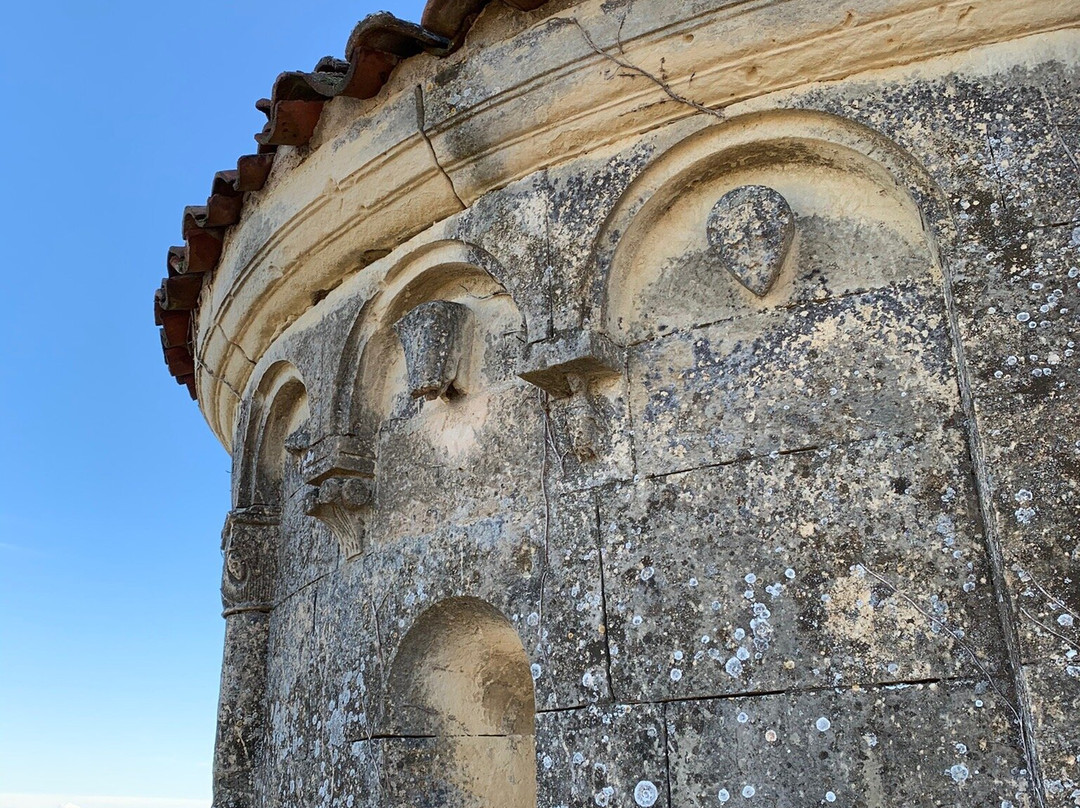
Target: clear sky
column 112, row 489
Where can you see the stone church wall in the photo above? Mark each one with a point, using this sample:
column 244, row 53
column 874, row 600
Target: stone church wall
column 731, row 459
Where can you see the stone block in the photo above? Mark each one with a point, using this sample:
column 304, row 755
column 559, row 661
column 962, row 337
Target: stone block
column 940, row 744
column 857, row 564
column 611, row 756
column 813, row 375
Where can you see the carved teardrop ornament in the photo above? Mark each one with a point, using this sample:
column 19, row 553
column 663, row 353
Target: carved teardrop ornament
column 750, row 230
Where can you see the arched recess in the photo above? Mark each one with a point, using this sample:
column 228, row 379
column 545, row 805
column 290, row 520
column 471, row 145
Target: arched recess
column 461, row 678
column 370, row 373
column 277, row 409
column 888, row 207
column 847, row 336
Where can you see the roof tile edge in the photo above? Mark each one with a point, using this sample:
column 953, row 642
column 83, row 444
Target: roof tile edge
column 375, row 47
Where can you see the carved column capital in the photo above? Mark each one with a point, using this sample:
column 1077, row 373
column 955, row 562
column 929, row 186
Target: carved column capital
column 343, row 505
column 249, row 548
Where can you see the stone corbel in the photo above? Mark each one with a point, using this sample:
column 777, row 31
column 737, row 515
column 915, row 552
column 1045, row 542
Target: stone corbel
column 249, row 548
column 339, row 471
column 343, row 504
column 435, row 337
column 586, row 355
column 566, row 367
column 337, row 456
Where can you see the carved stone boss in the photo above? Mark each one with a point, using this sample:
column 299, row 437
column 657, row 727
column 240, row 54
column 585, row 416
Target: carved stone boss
column 750, row 230
column 435, row 336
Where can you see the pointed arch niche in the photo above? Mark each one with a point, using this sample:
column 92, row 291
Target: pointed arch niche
column 461, row 679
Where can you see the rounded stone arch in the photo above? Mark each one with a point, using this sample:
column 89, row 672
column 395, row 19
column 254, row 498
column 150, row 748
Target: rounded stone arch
column 278, row 407
column 461, row 677
column 769, row 148
column 447, row 270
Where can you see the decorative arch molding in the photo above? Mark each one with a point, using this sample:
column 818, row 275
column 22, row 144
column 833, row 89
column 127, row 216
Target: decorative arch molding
column 277, row 408
column 461, row 678
column 721, row 158
column 423, row 335
column 418, row 277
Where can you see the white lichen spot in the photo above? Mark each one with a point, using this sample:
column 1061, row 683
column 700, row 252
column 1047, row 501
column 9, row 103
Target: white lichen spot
column 830, row 797
column 603, row 796
column 636, row 620
column 739, row 634
column 959, row 772
column 789, row 573
column 733, row 667
column 823, row 724
column 533, row 619
column 742, row 718
column 770, row 736
column 722, row 795
column 675, row 674
column 535, row 670
column 750, row 578
column 742, row 654
column 547, row 762
column 1065, row 620
column 678, row 655
column 749, row 791
column 645, row 793
column 647, row 573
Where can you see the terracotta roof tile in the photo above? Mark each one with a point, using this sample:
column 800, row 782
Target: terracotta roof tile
column 374, row 48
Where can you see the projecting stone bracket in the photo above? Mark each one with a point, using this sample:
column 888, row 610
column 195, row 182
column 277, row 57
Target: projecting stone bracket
column 435, row 337
column 336, row 456
column 343, row 504
column 585, row 355
column 566, row 367
column 249, row 548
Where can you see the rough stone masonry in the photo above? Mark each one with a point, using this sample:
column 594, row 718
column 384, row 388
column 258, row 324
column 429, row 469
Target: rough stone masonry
column 644, row 403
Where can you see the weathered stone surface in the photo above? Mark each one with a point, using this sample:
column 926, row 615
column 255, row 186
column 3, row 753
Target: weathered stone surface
column 610, row 756
column 801, row 517
column 948, row 743
column 858, row 564
column 812, row 375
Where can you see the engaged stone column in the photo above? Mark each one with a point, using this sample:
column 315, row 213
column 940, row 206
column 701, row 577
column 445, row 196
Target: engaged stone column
column 248, row 543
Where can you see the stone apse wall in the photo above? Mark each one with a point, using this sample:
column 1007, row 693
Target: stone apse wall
column 663, row 404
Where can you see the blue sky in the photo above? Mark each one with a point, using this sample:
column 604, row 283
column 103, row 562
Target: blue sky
column 112, row 489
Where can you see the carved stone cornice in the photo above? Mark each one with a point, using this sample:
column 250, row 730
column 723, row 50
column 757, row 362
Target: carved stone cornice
column 418, row 158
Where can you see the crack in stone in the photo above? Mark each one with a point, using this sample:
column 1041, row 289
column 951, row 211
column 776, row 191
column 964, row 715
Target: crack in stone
column 419, row 95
